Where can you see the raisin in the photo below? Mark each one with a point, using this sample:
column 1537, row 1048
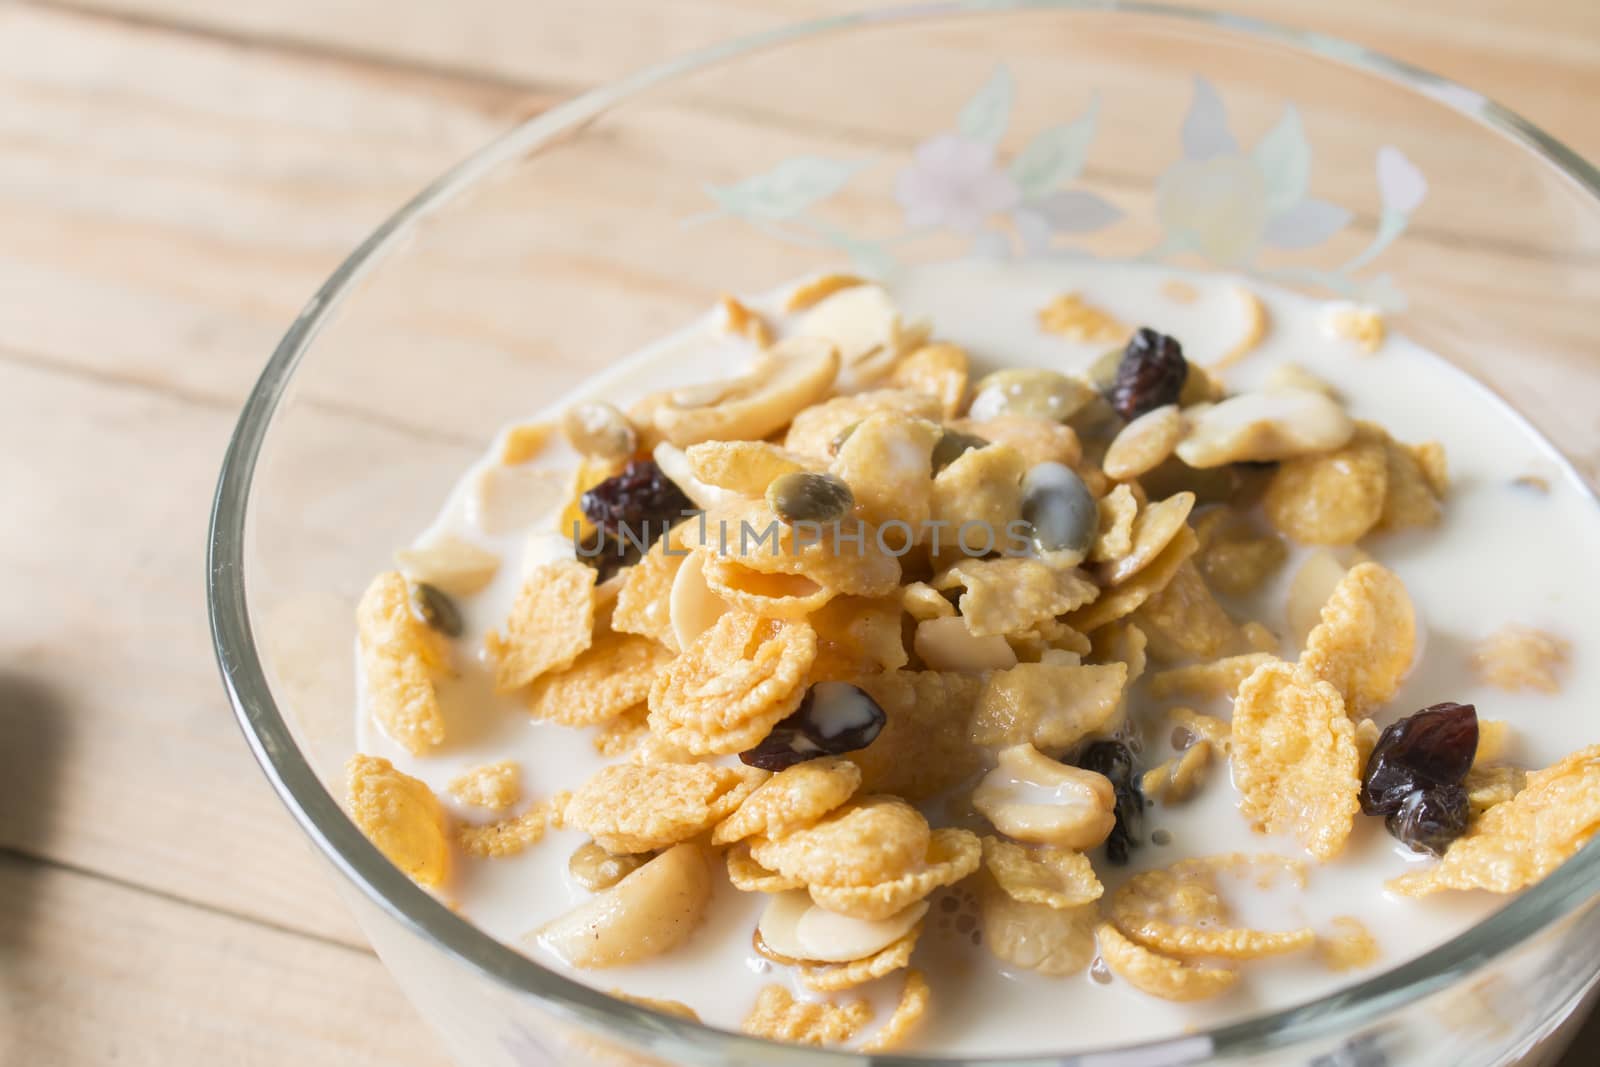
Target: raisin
column 832, row 719
column 1434, row 747
column 1151, row 374
column 1429, row 819
column 608, row 555
column 1114, row 760
column 639, row 504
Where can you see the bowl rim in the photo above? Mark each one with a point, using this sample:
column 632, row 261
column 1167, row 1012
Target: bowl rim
column 321, row 817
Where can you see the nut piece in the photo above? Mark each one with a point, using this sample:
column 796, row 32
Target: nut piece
column 651, row 911
column 449, row 563
column 947, row 645
column 1144, row 443
column 596, row 869
column 691, row 606
column 795, row 927
column 1031, row 392
column 1265, row 426
column 789, row 376
column 1031, row 797
column 599, row 431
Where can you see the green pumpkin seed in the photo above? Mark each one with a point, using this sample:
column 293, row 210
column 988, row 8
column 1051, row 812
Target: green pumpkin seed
column 1059, row 508
column 435, row 608
column 1032, row 392
column 952, row 445
column 806, row 497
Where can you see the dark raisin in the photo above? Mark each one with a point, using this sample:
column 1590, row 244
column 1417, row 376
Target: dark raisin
column 1429, row 819
column 608, row 555
column 1151, row 374
column 432, row 606
column 639, row 504
column 833, row 718
column 1434, row 747
column 1114, row 760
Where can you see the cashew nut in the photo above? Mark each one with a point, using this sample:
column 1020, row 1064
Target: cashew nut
column 787, row 377
column 1031, row 797
column 945, row 644
column 1272, row 425
column 795, row 927
column 600, row 431
column 649, row 912
column 864, row 324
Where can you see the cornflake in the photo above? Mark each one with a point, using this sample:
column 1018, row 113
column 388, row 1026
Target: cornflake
column 493, row 786
column 1518, row 657
column 837, row 977
column 523, row 441
column 1516, row 844
column 624, row 732
column 1127, row 597
column 888, row 463
column 665, row 1007
column 857, row 635
column 1488, row 786
column 922, row 602
column 1143, row 444
column 937, row 370
column 1413, row 497
column 756, row 592
column 1207, row 727
column 1156, row 527
column 814, row 430
column 1048, row 706
column 1175, row 780
column 1351, row 946
column 1037, row 440
column 1364, row 326
column 952, row 855
column 1207, row 681
column 1330, row 498
column 1184, row 620
column 748, row 876
column 1159, row 975
column 913, row 1005
column 1366, row 639
column 551, row 622
column 1036, row 937
column 790, row 800
column 1255, row 328
column 645, row 597
column 1072, row 318
column 1114, row 540
column 868, row 842
column 922, row 750
column 749, row 533
column 728, row 689
column 809, row 294
column 511, row 836
column 611, row 676
column 1013, row 594
column 1049, row 875
column 572, row 522
column 399, row 653
column 742, row 321
column 745, row 467
column 778, row 1016
column 629, row 808
column 401, row 816
column 1123, row 642
column 1294, row 758
column 1179, row 910
column 984, row 486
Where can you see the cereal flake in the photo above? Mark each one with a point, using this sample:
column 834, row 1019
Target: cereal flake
column 1330, row 498
column 401, row 816
column 923, row 749
column 1350, row 947
column 837, row 977
column 551, row 622
column 1208, row 681
column 1036, row 937
column 1180, row 911
column 913, row 1005
column 792, row 799
column 778, row 1016
column 1114, row 540
column 399, row 653
column 1046, row 874
column 1049, row 706
column 866, row 843
column 1070, row 316
column 1519, row 657
column 1012, row 594
column 609, row 677
column 1160, row 975
column 630, row 808
column 952, row 855
column 1366, row 639
column 493, row 786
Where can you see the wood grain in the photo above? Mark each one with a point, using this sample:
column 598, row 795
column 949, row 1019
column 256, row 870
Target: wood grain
column 99, row 973
column 176, row 177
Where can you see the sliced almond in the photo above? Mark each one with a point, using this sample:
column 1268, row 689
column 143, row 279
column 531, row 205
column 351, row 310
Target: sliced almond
column 692, row 607
column 793, row 926
column 947, row 645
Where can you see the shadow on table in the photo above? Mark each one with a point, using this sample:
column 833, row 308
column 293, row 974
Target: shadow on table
column 34, row 726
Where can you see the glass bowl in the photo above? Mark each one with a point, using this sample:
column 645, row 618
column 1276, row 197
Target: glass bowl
column 997, row 128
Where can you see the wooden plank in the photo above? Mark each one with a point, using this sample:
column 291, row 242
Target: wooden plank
column 1541, row 58
column 96, row 972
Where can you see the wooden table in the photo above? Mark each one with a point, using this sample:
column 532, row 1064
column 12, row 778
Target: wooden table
column 176, row 176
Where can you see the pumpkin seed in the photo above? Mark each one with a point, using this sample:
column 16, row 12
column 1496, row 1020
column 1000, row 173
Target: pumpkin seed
column 433, row 607
column 599, row 431
column 806, row 497
column 1059, row 508
column 1037, row 393
column 952, row 444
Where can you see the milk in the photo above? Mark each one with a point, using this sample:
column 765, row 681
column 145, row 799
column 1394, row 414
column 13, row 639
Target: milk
column 1503, row 554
